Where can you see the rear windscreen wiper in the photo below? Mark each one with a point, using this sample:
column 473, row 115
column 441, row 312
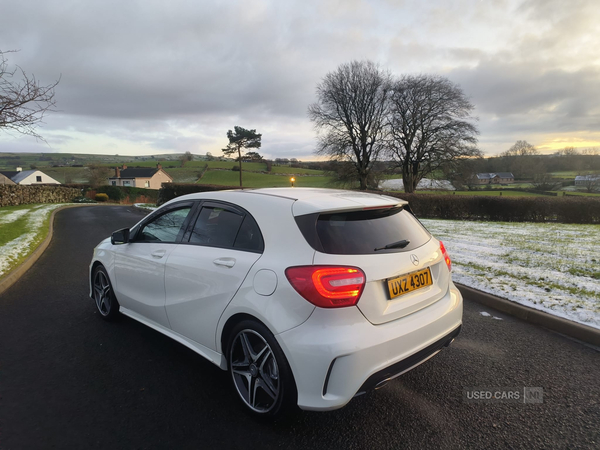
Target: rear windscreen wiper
column 400, row 244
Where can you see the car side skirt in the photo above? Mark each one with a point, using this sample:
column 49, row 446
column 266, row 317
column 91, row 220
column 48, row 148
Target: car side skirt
column 214, row 357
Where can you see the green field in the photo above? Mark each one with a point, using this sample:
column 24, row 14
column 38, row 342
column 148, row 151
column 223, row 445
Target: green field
column 295, row 170
column 512, row 186
column 75, row 174
column 253, row 167
column 583, row 194
column 184, row 175
column 564, row 174
column 252, row 179
column 164, row 164
column 220, row 173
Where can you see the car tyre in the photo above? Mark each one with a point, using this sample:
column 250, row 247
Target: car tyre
column 103, row 294
column 259, row 370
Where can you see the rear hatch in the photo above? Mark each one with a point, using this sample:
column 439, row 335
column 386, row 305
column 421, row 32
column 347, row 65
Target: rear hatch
column 409, row 275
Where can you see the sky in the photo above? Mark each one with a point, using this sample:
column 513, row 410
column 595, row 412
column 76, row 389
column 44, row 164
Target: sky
column 154, row 77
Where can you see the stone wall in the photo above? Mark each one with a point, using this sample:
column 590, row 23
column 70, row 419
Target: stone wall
column 21, row 195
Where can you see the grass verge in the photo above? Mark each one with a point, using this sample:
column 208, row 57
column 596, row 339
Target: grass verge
column 22, row 229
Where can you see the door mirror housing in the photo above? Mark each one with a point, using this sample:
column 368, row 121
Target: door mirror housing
column 120, row 237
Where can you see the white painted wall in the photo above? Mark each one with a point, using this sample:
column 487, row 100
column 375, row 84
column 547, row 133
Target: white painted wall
column 33, row 179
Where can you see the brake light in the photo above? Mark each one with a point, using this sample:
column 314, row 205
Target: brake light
column 328, row 286
column 446, row 257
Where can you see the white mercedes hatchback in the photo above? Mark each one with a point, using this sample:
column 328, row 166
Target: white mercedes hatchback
column 307, row 297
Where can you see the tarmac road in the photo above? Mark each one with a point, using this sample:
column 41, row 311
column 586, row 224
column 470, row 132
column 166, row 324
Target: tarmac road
column 71, row 380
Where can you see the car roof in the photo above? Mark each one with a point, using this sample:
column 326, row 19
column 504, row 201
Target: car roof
column 306, row 200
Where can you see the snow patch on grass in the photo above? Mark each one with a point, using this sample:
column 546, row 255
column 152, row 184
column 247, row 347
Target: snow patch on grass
column 16, row 250
column 8, row 217
column 396, row 184
column 551, row 267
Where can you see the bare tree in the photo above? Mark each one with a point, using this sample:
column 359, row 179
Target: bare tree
column 349, row 115
column 23, row 100
column 464, row 173
column 523, row 160
column 567, row 151
column 592, row 151
column 187, row 156
column 431, row 127
column 97, row 175
column 545, row 182
column 591, row 182
column 521, row 148
column 241, row 139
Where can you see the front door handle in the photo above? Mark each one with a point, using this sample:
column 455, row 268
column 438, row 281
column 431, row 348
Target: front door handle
column 158, row 254
column 225, row 262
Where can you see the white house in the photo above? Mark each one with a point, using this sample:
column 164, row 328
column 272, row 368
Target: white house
column 584, row 180
column 28, row 177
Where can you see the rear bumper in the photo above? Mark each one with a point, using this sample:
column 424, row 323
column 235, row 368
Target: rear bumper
column 337, row 353
column 380, row 378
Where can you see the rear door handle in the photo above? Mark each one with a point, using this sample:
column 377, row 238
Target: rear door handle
column 158, row 254
column 225, row 262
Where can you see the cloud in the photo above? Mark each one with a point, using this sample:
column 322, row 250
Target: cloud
column 159, row 76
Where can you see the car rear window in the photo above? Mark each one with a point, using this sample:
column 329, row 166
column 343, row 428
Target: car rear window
column 363, row 232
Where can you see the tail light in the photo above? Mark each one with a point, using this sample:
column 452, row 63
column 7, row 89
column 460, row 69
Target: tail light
column 328, row 286
column 446, row 257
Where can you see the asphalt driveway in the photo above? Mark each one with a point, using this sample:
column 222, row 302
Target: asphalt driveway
column 71, row 380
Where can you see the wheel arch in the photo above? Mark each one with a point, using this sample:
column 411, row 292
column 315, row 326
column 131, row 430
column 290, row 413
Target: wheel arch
column 93, row 268
column 229, row 326
column 95, row 264
column 231, row 323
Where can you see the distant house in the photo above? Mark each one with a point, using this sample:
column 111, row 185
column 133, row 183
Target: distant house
column 584, row 180
column 28, row 177
column 5, row 180
column 495, row 178
column 149, row 178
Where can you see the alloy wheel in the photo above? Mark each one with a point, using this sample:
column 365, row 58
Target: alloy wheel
column 255, row 371
column 102, row 293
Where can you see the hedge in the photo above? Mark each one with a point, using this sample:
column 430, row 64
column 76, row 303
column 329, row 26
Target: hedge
column 15, row 194
column 585, row 210
column 169, row 191
column 124, row 194
column 128, row 194
column 505, row 209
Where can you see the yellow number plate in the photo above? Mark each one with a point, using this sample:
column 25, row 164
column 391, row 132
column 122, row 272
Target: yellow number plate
column 409, row 282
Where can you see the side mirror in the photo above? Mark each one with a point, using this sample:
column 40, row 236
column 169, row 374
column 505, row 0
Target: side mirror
column 120, row 237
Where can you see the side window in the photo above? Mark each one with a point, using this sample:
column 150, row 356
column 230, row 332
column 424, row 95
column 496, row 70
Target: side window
column 216, row 227
column 164, row 228
column 249, row 237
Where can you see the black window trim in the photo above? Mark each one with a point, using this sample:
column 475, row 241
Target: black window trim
column 161, row 212
column 227, row 206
